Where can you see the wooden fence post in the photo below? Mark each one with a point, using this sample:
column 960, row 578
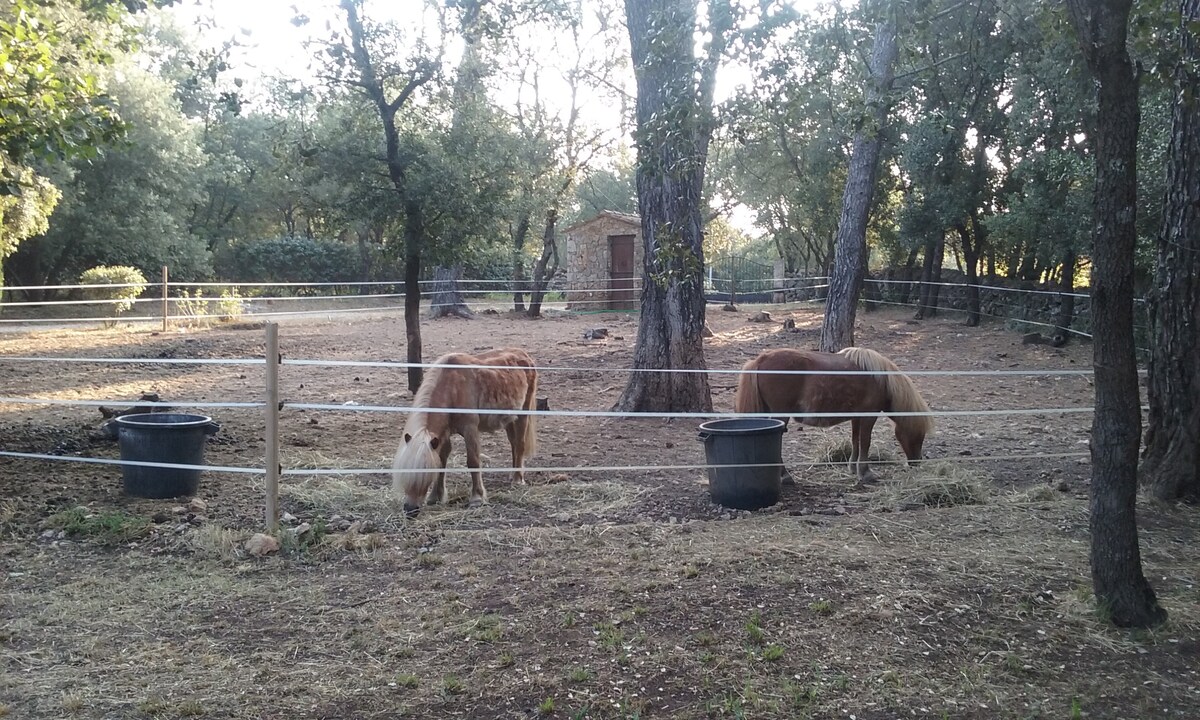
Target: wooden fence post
column 272, row 422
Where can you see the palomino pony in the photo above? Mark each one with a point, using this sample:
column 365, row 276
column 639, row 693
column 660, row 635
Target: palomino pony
column 509, row 382
column 849, row 393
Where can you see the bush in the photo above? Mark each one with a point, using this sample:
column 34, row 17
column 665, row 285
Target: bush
column 121, row 297
column 289, row 259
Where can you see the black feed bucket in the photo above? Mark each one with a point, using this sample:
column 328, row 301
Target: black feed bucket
column 744, row 441
column 176, row 438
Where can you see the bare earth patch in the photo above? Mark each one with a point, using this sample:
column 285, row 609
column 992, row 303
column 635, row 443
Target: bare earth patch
column 955, row 589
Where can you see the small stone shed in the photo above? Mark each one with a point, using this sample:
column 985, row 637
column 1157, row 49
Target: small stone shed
column 604, row 262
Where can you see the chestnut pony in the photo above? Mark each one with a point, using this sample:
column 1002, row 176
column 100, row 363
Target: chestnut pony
column 852, row 391
column 509, row 382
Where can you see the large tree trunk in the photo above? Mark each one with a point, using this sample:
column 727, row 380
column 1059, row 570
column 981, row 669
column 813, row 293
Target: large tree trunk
column 1171, row 463
column 547, row 264
column 447, row 297
column 971, row 260
column 1066, row 301
column 905, row 288
column 674, row 125
column 518, row 260
column 1121, row 588
column 931, row 275
column 846, row 280
column 413, row 231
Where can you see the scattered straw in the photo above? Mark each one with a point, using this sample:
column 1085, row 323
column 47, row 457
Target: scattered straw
column 937, row 484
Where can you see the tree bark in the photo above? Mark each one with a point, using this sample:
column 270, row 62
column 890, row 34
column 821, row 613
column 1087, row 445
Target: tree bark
column 1169, row 464
column 674, row 125
column 931, row 275
column 1122, row 591
column 1066, row 301
column 413, row 230
column 546, row 267
column 905, row 291
column 518, row 260
column 971, row 261
column 845, row 282
column 447, row 297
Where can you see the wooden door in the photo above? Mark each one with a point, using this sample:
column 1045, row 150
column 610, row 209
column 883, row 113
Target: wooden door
column 622, row 292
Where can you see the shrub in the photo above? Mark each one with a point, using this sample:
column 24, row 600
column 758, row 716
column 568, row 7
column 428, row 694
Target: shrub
column 121, row 297
column 289, row 259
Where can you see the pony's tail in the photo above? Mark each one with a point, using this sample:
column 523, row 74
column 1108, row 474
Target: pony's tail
column 748, row 398
column 902, row 395
column 531, row 404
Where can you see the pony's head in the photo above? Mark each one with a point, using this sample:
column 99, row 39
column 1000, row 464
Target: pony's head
column 910, row 433
column 416, row 467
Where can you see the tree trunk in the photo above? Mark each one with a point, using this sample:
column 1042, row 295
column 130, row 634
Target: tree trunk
column 1169, row 464
column 412, row 295
column 447, row 297
column 1066, row 301
column 414, row 227
column 1121, row 588
column 846, row 280
column 674, row 125
column 906, row 287
column 931, row 275
column 547, row 264
column 518, row 260
column 971, row 258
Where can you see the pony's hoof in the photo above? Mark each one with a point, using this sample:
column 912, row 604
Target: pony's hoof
column 477, row 502
column 868, row 479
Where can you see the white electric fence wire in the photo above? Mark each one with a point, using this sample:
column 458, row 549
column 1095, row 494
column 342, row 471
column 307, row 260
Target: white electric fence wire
column 505, row 470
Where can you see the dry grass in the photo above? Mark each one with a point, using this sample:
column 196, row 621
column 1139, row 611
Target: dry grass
column 935, row 484
column 874, row 611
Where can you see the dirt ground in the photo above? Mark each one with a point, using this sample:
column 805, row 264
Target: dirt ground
column 958, row 589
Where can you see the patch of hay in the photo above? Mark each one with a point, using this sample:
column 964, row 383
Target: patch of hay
column 331, row 496
column 838, row 450
column 216, row 542
column 1037, row 493
column 573, row 499
column 936, row 484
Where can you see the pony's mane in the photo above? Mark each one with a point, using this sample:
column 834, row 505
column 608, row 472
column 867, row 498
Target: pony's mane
column 416, row 464
column 902, row 394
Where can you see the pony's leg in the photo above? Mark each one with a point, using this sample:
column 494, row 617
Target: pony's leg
column 516, row 440
column 437, row 493
column 863, row 427
column 478, row 492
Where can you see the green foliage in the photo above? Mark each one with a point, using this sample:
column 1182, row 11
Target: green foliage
column 197, row 310
column 288, row 259
column 24, row 213
column 130, row 204
column 52, row 104
column 106, row 528
column 121, row 297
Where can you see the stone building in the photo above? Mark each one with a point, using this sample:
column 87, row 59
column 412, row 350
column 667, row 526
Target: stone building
column 604, row 262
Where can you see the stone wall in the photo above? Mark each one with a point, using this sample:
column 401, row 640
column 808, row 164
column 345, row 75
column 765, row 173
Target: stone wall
column 588, row 259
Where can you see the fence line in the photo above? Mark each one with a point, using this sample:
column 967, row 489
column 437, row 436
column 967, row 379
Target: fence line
column 294, row 472
column 273, row 408
column 397, row 364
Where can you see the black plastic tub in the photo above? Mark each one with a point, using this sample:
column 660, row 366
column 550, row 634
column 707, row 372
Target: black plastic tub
column 755, row 446
column 176, row 438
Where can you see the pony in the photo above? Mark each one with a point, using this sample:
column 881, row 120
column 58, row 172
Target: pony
column 509, row 382
column 849, row 392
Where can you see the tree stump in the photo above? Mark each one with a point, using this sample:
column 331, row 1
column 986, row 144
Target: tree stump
column 447, row 297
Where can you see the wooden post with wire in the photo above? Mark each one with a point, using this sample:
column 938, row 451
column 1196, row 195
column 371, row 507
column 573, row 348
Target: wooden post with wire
column 165, row 304
column 272, row 422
